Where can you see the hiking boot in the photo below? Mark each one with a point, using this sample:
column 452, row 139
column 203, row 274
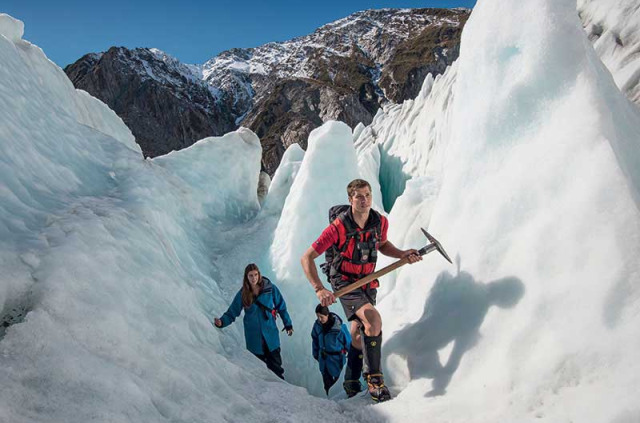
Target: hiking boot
column 352, row 387
column 377, row 389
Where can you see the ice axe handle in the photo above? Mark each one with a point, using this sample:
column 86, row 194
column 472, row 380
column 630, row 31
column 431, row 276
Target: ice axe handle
column 435, row 245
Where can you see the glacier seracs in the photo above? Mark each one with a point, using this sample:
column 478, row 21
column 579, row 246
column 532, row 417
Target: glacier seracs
column 522, row 160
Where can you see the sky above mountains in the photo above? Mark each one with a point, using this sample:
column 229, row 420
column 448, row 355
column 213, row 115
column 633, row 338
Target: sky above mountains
column 190, row 30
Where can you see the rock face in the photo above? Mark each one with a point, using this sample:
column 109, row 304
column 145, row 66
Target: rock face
column 344, row 70
column 430, row 52
column 166, row 104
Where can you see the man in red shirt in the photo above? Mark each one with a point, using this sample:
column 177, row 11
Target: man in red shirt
column 356, row 235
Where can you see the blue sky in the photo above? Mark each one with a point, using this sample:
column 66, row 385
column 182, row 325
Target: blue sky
column 191, row 30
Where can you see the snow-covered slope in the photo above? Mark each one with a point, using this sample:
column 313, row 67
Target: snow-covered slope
column 107, row 289
column 614, row 28
column 406, row 139
column 529, row 178
column 528, row 174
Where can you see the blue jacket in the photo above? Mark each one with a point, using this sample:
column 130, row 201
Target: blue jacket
column 330, row 348
column 259, row 322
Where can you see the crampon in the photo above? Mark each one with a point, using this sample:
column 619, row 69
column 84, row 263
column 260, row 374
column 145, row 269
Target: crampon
column 377, row 389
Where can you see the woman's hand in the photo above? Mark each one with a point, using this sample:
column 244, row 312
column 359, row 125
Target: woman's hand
column 217, row 322
column 289, row 330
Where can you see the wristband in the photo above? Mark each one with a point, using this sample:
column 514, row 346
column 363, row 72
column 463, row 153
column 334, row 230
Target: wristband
column 319, row 289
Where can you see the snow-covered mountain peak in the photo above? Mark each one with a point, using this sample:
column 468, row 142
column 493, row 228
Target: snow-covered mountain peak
column 152, row 63
column 376, row 33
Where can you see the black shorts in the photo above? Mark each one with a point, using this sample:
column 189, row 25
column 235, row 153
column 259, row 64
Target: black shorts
column 352, row 301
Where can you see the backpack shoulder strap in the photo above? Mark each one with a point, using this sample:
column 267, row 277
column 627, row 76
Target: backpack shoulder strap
column 350, row 228
column 376, row 222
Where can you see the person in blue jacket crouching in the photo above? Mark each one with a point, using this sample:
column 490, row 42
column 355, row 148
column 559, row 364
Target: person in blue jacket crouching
column 261, row 301
column 331, row 340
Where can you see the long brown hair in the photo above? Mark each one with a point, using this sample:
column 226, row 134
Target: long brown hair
column 247, row 293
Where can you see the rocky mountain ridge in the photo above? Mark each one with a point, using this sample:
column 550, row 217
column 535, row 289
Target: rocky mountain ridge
column 165, row 103
column 281, row 90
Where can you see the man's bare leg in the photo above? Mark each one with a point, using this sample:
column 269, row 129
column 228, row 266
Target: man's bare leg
column 371, row 320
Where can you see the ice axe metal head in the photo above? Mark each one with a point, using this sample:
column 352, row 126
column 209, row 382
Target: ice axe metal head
column 435, row 245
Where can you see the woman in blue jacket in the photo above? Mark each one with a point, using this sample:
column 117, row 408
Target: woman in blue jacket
column 331, row 340
column 261, row 301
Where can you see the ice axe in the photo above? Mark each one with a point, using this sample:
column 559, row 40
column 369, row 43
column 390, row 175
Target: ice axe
column 432, row 246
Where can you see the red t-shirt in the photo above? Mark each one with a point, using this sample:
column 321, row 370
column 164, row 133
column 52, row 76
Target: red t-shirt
column 330, row 236
column 336, row 233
